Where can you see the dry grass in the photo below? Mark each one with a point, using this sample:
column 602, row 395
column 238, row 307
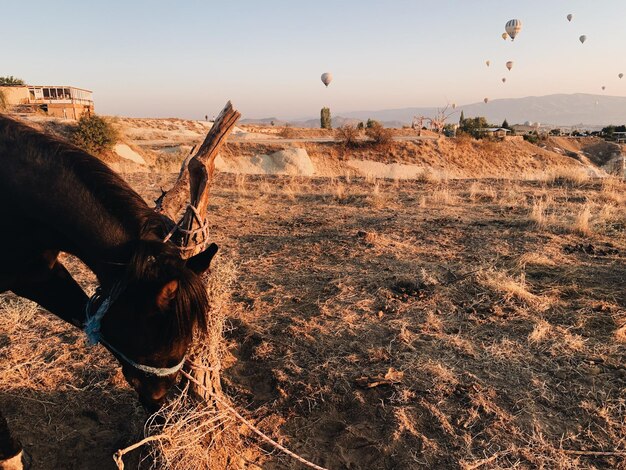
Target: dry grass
column 196, row 434
column 576, row 176
column 582, row 222
column 538, row 213
column 385, row 328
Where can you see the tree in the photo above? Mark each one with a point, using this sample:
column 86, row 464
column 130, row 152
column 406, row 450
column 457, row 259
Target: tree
column 11, row 80
column 371, row 123
column 325, row 119
column 94, row 134
column 505, row 125
column 472, row 126
column 462, row 118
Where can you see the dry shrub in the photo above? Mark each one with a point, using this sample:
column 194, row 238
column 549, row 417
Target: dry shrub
column 288, row 132
column 379, row 135
column 347, row 135
column 428, row 175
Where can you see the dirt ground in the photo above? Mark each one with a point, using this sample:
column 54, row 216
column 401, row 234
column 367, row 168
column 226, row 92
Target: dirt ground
column 378, row 325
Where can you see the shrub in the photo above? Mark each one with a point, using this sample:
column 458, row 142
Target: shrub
column 379, row 134
column 288, row 132
column 532, row 138
column 11, row 80
column 348, row 135
column 325, row 119
column 94, row 134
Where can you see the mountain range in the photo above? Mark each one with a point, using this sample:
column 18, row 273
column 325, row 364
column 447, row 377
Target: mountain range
column 573, row 110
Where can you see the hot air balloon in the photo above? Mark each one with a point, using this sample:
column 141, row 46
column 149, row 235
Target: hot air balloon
column 509, row 65
column 327, row 78
column 453, row 105
column 503, row 80
column 504, row 36
column 603, row 88
column 488, row 63
column 582, row 39
column 621, row 75
column 513, row 28
column 569, row 17
column 486, row 100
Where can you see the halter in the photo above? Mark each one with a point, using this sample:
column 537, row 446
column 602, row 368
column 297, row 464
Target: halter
column 93, row 322
column 92, row 330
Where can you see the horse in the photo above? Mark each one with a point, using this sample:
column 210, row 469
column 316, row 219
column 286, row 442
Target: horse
column 54, row 198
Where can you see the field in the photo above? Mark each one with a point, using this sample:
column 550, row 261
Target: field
column 377, row 324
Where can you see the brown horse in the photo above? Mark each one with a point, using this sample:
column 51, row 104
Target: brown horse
column 56, row 198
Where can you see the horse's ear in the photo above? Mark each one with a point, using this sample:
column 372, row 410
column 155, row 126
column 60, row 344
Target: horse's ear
column 167, row 294
column 200, row 263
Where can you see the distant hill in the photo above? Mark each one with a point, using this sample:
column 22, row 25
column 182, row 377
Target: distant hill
column 580, row 110
column 562, row 110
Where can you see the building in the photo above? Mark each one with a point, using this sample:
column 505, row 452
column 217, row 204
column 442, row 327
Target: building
column 619, row 137
column 60, row 101
column 498, row 132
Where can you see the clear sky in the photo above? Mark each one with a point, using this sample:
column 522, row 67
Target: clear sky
column 186, row 58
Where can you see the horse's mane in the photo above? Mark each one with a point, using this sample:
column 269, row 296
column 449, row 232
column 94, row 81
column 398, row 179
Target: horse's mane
column 152, row 260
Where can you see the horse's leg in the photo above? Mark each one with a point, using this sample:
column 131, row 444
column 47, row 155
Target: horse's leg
column 50, row 284
column 12, row 456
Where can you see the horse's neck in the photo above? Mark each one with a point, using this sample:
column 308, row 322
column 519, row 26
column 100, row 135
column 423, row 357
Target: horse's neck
column 95, row 216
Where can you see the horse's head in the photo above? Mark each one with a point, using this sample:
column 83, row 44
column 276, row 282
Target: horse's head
column 151, row 321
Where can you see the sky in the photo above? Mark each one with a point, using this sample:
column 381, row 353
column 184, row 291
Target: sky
column 187, row 58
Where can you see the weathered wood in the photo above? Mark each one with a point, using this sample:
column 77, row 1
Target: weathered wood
column 191, row 194
column 175, row 200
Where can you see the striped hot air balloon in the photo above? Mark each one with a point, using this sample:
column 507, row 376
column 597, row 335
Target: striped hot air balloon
column 513, row 28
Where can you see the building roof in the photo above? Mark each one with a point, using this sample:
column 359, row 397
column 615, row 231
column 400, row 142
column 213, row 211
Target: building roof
column 493, row 129
column 58, row 86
